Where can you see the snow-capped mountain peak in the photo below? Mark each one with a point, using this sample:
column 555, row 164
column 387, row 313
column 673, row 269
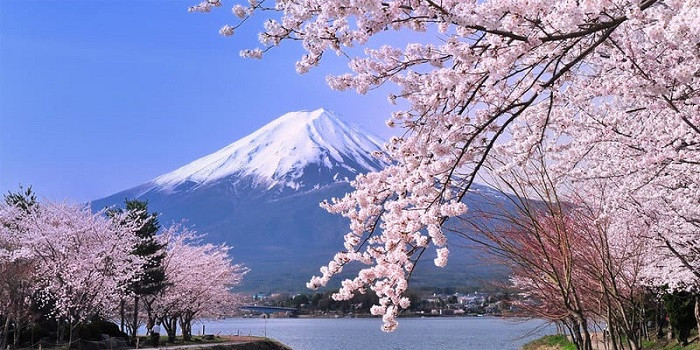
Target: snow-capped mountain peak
column 282, row 152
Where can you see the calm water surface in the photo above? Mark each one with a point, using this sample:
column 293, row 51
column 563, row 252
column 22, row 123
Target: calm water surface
column 412, row 333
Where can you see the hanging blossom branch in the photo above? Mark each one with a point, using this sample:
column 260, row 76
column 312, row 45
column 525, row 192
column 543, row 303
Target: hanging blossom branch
column 534, row 70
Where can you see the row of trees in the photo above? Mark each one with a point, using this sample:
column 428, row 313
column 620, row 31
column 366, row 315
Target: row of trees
column 63, row 264
column 609, row 90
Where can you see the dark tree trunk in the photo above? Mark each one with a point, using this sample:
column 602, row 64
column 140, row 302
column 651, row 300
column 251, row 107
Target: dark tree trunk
column 609, row 333
column 122, row 315
column 16, row 334
column 186, row 327
column 586, row 336
column 576, row 335
column 173, row 324
column 149, row 313
column 59, row 335
column 697, row 312
column 170, row 326
column 5, row 333
column 660, row 320
column 135, row 323
column 70, row 334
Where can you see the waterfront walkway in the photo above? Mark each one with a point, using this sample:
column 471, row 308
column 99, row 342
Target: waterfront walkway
column 232, row 343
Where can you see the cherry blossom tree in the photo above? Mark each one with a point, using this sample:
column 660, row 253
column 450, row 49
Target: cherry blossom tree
column 536, row 234
column 80, row 258
column 17, row 276
column 610, row 85
column 200, row 278
column 542, row 248
column 13, row 275
column 575, row 259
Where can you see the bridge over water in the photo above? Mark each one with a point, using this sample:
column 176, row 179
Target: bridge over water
column 269, row 309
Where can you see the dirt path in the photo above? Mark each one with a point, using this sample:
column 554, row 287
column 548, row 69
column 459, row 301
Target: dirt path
column 231, row 343
column 199, row 346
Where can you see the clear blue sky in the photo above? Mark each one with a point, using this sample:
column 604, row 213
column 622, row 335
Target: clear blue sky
column 97, row 96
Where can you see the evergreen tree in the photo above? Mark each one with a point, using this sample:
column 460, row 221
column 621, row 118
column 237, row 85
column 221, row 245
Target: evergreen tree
column 23, row 199
column 680, row 308
column 152, row 275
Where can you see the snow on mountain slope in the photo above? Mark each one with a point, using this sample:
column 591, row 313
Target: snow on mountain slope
column 279, row 153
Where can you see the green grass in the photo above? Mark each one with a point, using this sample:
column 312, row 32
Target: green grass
column 672, row 345
column 560, row 342
column 665, row 344
column 145, row 341
column 550, row 341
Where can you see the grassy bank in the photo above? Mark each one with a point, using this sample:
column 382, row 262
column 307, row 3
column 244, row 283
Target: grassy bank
column 670, row 345
column 260, row 344
column 560, row 342
column 550, row 342
column 243, row 343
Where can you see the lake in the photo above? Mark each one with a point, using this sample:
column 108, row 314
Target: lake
column 364, row 333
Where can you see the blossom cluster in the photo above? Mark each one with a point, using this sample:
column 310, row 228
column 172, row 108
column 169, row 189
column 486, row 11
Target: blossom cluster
column 80, row 261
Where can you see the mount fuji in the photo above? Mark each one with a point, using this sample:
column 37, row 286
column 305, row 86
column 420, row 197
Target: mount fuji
column 261, row 195
column 297, row 151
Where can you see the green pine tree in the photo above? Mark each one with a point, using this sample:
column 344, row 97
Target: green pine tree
column 23, row 199
column 151, row 277
column 680, row 309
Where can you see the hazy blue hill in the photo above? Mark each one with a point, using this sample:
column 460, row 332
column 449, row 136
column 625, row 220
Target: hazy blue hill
column 284, row 240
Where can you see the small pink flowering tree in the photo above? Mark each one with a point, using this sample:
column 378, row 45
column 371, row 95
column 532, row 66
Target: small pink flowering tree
column 200, row 278
column 576, row 264
column 569, row 75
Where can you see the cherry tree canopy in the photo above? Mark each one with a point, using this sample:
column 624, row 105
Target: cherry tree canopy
column 79, row 259
column 16, row 275
column 609, row 86
column 199, row 277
